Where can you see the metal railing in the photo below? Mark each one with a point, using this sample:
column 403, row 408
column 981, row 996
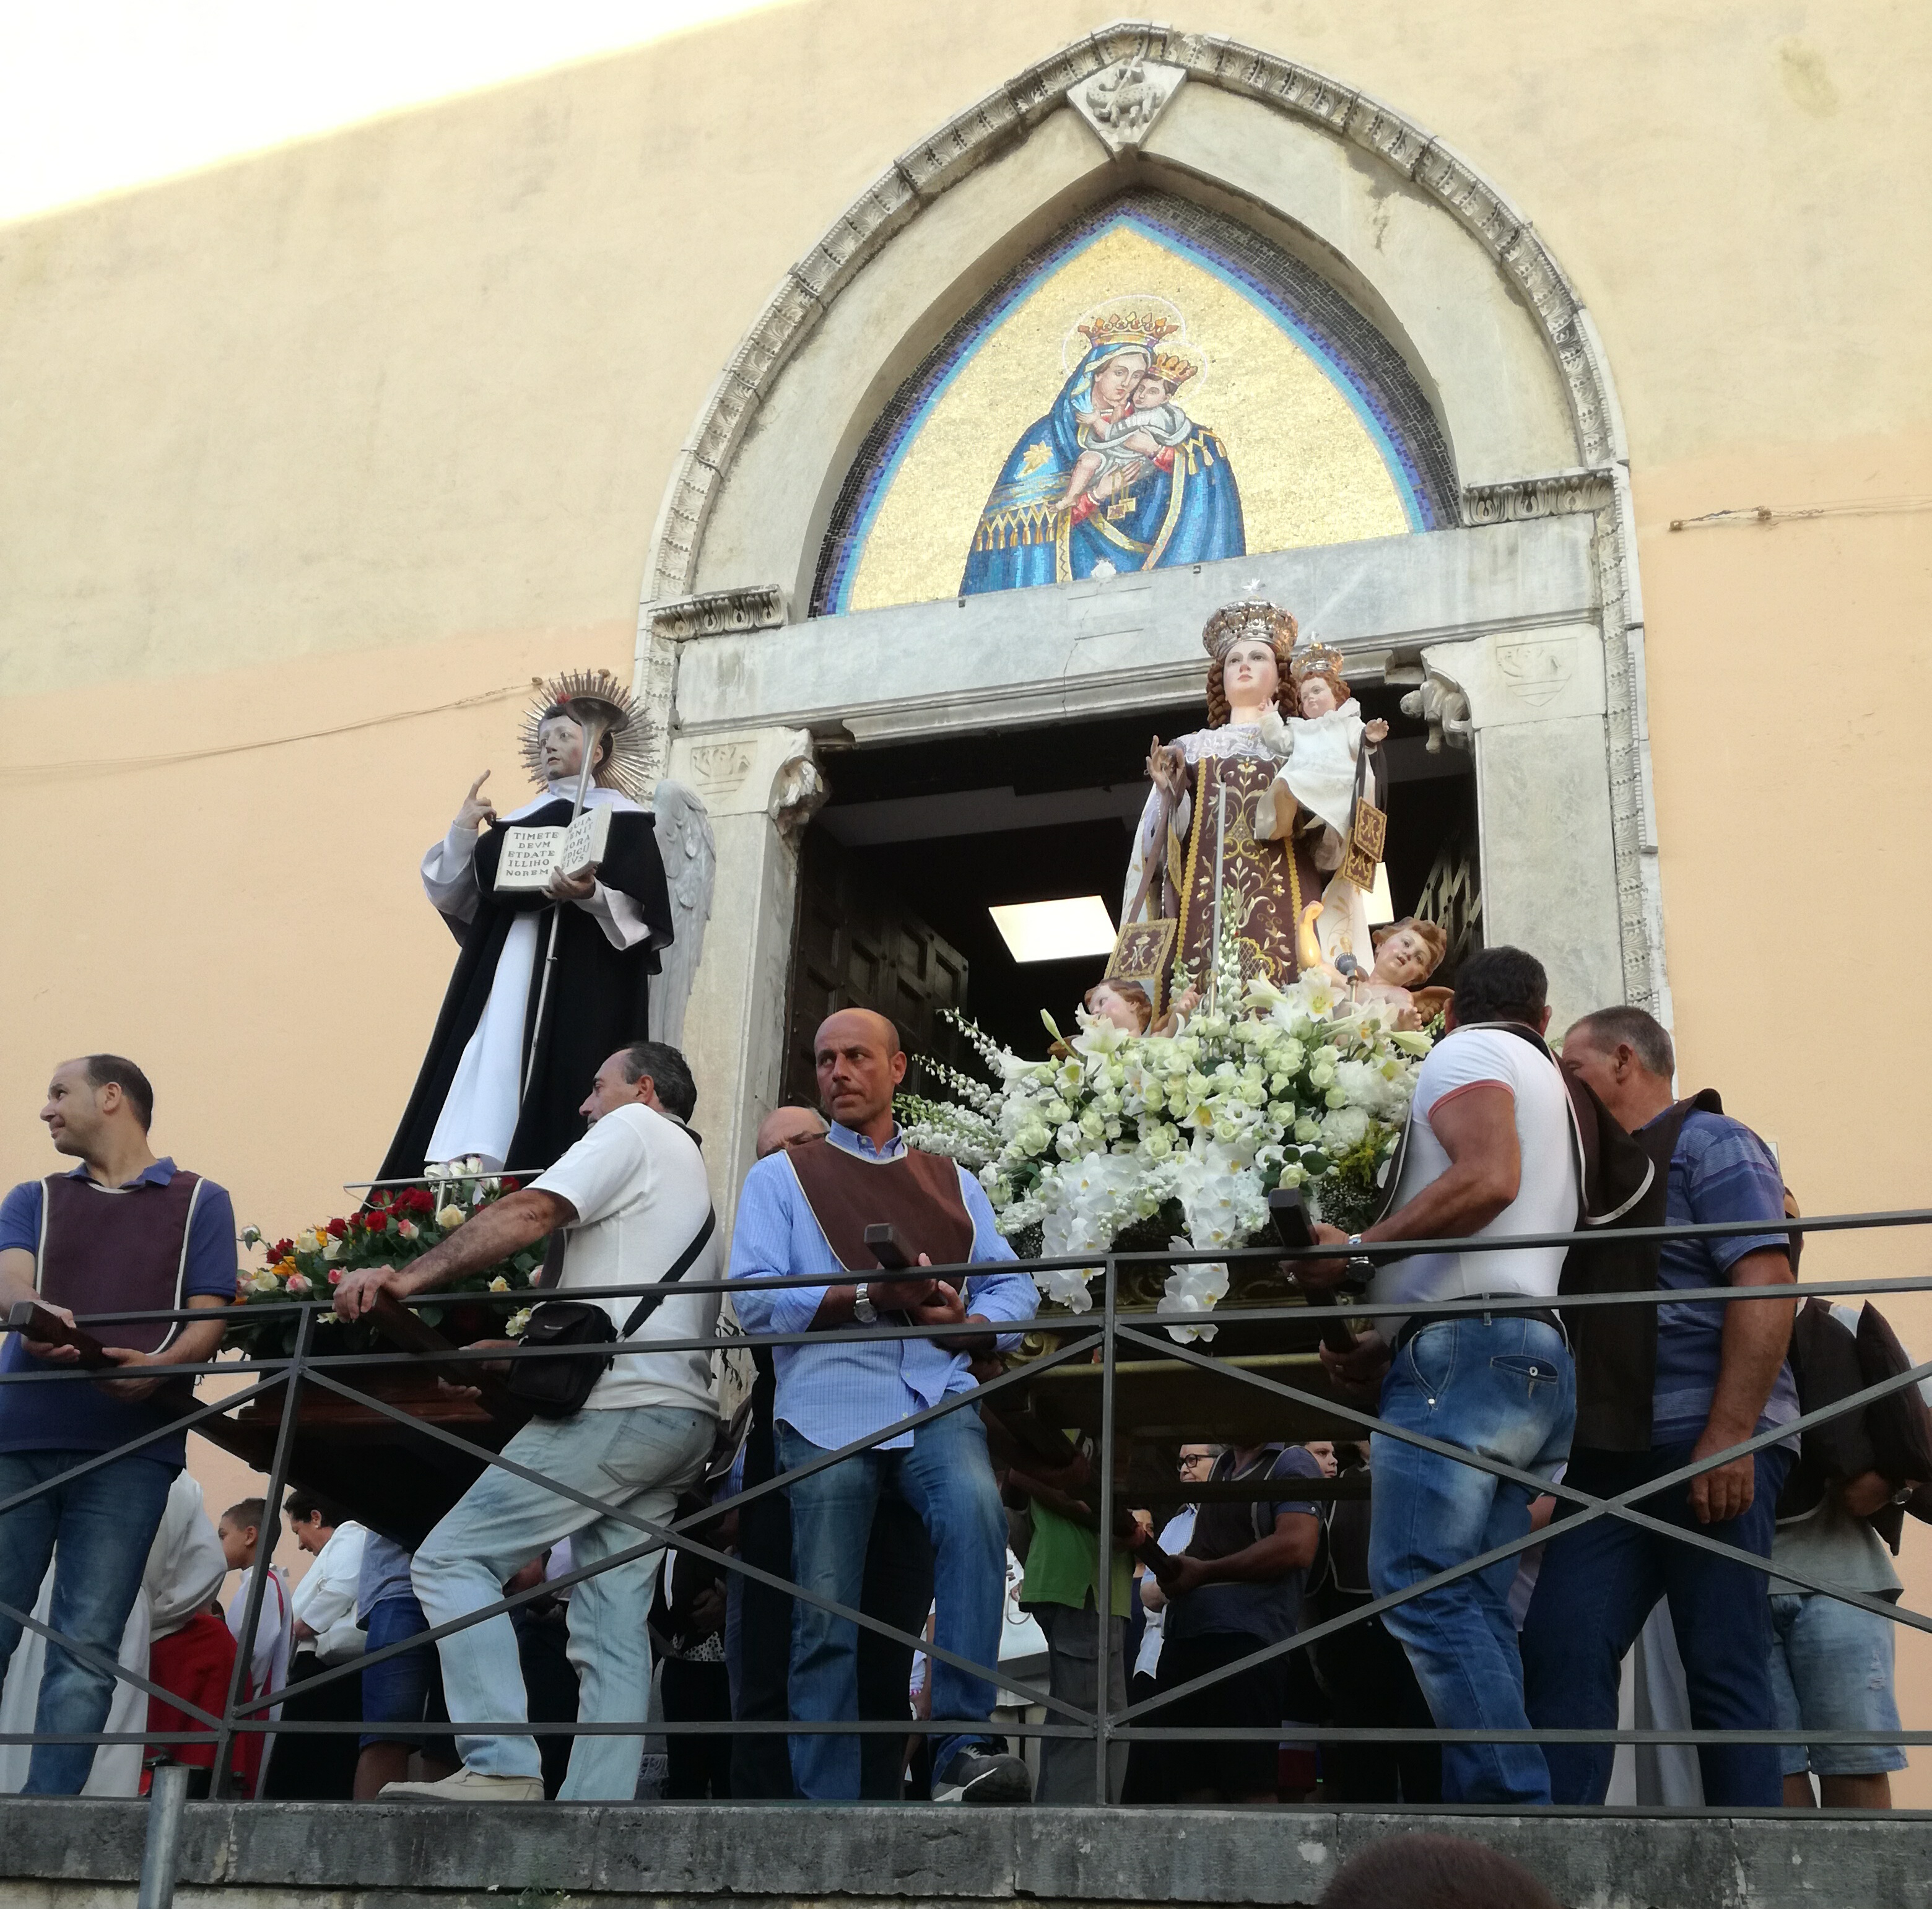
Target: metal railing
column 1097, row 1338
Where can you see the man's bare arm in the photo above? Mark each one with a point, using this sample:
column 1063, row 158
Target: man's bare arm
column 1476, row 1129
column 1291, row 1546
column 196, row 1343
column 1757, row 1334
column 506, row 1226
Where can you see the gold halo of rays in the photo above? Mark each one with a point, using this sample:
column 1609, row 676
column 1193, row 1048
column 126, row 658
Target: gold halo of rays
column 623, row 768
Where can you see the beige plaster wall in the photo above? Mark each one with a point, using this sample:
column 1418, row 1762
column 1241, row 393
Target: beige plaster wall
column 382, row 422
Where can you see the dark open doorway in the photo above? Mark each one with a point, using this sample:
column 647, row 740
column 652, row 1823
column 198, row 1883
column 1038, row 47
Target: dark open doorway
column 919, row 841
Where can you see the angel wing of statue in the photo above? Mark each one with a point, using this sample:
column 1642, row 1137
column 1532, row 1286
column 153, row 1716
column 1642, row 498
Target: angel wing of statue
column 691, row 865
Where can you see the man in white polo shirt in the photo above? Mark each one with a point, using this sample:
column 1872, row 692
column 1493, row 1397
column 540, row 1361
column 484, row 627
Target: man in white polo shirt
column 633, row 1200
column 1490, row 1152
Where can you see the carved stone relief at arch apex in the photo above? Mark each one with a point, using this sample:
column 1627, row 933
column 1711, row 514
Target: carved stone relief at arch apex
column 1575, row 472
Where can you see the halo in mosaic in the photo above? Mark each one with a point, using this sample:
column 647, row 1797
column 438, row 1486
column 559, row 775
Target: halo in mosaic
column 1158, row 385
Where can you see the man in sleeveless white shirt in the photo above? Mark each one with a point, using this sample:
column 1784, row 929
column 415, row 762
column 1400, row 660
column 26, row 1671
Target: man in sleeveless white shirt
column 1489, row 1153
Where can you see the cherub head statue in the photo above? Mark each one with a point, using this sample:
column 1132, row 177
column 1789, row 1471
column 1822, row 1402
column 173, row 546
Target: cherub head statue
column 1407, row 951
column 1125, row 1004
column 1318, row 685
column 1244, row 624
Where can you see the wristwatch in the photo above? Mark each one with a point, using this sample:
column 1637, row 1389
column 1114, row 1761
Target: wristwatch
column 863, row 1311
column 1361, row 1267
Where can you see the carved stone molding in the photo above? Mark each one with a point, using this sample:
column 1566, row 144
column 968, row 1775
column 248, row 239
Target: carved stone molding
column 1556, row 494
column 1122, row 102
column 755, row 606
column 663, row 626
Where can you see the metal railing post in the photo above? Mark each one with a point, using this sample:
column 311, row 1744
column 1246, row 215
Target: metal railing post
column 219, row 1780
column 160, row 1856
column 1103, row 1558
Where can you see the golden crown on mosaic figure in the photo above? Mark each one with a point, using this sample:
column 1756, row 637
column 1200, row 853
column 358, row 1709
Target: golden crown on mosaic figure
column 1251, row 617
column 1174, row 367
column 1124, row 325
column 624, row 767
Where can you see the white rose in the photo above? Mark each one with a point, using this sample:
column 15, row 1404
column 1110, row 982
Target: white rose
column 500, row 1284
column 450, row 1218
column 263, row 1280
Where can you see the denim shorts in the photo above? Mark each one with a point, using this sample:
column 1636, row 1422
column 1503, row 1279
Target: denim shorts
column 1831, row 1669
column 406, row 1689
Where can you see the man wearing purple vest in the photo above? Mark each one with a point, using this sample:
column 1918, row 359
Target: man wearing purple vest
column 125, row 1232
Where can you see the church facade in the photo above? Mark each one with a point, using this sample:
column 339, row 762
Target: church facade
column 1563, row 368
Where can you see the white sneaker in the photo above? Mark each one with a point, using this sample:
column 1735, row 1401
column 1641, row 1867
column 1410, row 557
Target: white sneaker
column 468, row 1786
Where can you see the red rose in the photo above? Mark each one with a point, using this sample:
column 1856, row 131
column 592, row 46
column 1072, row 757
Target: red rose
column 418, row 1199
column 510, row 1186
column 278, row 1250
column 376, row 1222
column 336, row 1229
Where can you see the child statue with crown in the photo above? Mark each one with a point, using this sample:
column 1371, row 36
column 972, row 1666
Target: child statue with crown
column 1248, row 827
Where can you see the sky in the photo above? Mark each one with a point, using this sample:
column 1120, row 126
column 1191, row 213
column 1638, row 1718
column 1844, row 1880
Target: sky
column 99, row 95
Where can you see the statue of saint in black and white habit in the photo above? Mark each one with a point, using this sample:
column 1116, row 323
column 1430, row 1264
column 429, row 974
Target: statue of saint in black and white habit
column 611, row 922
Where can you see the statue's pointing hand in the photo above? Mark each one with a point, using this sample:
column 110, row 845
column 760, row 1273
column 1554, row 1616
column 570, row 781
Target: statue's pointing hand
column 1166, row 767
column 477, row 811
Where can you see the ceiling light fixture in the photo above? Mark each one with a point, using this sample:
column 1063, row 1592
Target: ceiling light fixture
column 1055, row 930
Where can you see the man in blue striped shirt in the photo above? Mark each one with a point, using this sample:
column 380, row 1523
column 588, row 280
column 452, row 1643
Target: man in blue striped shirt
column 1720, row 1377
column 830, row 1395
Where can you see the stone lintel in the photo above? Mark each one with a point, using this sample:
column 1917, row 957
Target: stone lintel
column 1016, row 657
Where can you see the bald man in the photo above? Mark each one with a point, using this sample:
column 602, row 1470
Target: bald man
column 788, row 1127
column 805, row 1210
column 757, row 1622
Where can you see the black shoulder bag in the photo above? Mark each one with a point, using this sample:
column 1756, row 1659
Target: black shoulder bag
column 557, row 1388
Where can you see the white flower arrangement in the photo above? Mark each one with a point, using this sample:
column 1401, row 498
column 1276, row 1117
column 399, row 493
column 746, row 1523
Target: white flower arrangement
column 1301, row 1087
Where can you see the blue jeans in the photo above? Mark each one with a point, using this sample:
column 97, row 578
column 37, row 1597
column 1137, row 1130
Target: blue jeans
column 97, row 1529
column 638, row 1458
column 1505, row 1388
column 396, row 1691
column 1598, row 1584
column 946, row 1478
column 1832, row 1669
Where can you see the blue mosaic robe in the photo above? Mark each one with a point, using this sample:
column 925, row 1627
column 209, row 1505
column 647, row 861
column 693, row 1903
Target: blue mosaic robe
column 1189, row 514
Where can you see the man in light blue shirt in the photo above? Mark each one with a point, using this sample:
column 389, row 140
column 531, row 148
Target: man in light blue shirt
column 803, row 1210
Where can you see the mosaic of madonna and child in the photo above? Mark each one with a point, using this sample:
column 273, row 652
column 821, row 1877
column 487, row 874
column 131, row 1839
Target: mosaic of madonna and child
column 1117, row 476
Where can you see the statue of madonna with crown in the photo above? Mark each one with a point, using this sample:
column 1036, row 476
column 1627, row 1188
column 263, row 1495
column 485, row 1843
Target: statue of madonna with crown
column 1253, row 828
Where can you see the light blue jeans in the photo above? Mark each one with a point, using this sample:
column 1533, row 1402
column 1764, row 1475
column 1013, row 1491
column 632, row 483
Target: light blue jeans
column 97, row 1529
column 1504, row 1387
column 1832, row 1669
column 947, row 1478
column 638, row 1458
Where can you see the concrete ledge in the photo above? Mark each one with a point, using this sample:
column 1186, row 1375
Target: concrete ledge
column 77, row 1855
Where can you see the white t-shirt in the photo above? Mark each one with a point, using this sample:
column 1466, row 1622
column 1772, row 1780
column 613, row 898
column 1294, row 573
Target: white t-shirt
column 1547, row 1196
column 636, row 1180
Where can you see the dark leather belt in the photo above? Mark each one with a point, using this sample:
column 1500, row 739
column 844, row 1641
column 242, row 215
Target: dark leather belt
column 1542, row 1315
